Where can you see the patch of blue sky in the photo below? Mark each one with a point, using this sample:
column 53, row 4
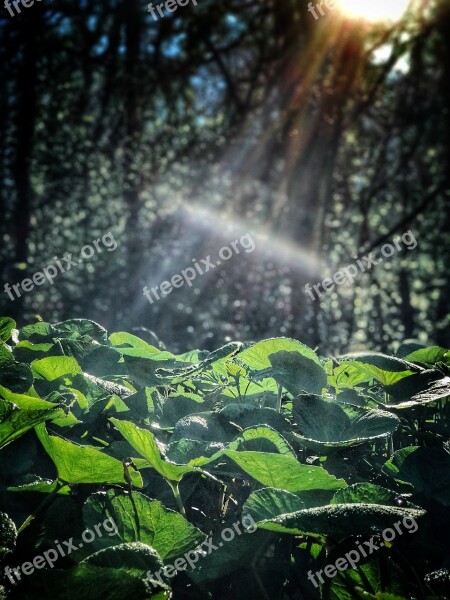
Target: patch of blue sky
column 172, row 48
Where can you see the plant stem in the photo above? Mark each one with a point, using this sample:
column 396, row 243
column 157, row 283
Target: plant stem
column 41, row 507
column 176, row 493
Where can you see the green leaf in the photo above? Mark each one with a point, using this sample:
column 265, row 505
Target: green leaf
column 53, row 367
column 139, row 519
column 292, row 364
column 426, row 469
column 407, row 347
column 374, row 575
column 76, row 328
column 123, row 340
column 178, row 406
column 419, row 392
column 387, row 369
column 436, row 391
column 261, row 439
column 143, row 441
column 328, row 424
column 6, row 327
column 15, row 421
column 369, row 493
column 284, row 472
column 38, row 332
column 89, row 582
column 6, row 355
column 339, row 521
column 27, row 402
column 205, row 427
column 257, row 357
column 194, row 452
column 218, row 357
column 199, row 453
column 427, row 356
column 15, row 376
column 296, row 373
column 402, row 391
column 133, row 556
column 267, row 503
column 229, row 557
column 247, row 415
column 26, row 351
column 83, row 464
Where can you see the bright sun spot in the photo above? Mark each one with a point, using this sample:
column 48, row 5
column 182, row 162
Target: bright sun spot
column 374, row 10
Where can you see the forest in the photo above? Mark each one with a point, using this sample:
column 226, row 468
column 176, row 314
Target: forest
column 225, row 299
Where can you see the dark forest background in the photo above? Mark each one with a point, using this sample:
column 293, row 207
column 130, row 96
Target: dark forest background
column 322, row 139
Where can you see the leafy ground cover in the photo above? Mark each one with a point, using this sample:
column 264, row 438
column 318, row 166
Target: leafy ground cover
column 322, row 454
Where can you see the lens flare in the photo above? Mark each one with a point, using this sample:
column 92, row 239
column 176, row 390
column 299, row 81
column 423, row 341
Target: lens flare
column 374, row 10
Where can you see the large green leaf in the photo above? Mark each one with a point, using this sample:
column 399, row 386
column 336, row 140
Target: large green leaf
column 38, row 332
column 428, row 356
column 261, row 439
column 115, row 573
column 425, row 390
column 426, row 469
column 139, row 519
column 248, row 415
column 84, row 464
column 77, row 328
column 268, row 503
column 339, row 521
column 369, row 493
column 296, row 373
column 53, row 367
column 178, row 375
column 230, row 557
column 144, row 442
column 205, row 427
column 284, row 472
column 387, row 369
column 125, row 342
column 13, row 375
column 326, row 424
column 134, row 556
column 257, row 356
column 292, row 364
column 194, row 452
column 402, row 391
column 178, row 406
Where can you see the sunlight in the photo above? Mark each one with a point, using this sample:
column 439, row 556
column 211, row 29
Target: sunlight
column 374, row 10
column 273, row 248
